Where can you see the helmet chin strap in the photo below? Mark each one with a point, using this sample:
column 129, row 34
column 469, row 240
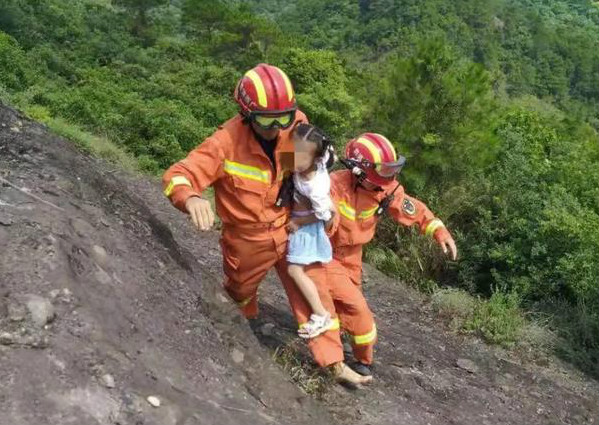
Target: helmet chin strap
column 360, row 175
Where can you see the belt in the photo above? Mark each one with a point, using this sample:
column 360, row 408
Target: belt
column 271, row 225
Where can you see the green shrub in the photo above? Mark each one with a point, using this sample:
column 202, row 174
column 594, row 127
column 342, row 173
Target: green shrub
column 13, row 67
column 498, row 320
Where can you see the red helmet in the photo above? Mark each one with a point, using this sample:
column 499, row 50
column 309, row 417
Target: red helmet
column 375, row 155
column 265, row 90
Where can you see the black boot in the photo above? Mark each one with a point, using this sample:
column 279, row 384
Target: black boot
column 348, row 351
column 361, row 368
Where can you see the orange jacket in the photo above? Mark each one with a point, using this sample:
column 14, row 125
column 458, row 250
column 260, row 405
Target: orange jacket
column 246, row 184
column 356, row 209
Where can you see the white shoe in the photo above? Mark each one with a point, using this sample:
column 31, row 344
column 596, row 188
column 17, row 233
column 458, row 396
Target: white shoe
column 316, row 326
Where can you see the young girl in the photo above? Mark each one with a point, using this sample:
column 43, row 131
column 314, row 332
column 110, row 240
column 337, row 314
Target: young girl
column 308, row 241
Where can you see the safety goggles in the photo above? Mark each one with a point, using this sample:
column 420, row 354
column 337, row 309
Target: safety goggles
column 385, row 169
column 390, row 169
column 268, row 122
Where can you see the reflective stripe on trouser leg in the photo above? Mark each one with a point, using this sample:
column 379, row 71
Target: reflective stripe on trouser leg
column 365, row 339
column 354, row 313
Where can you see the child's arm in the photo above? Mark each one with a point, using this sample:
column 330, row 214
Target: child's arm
column 410, row 211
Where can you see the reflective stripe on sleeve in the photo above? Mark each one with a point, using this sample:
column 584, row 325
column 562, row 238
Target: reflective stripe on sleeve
column 176, row 181
column 433, row 226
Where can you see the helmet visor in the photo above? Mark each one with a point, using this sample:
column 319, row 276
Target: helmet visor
column 268, row 122
column 390, row 169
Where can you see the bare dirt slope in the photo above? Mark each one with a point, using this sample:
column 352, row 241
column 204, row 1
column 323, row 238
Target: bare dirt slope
column 100, row 287
column 116, row 283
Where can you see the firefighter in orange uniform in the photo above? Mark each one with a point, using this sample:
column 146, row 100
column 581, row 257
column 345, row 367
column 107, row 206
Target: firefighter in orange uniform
column 365, row 191
column 244, row 162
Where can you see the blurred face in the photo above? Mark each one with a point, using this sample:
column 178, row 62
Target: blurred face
column 304, row 153
column 271, row 134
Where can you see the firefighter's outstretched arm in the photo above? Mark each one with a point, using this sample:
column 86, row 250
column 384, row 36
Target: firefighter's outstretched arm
column 185, row 181
column 410, row 211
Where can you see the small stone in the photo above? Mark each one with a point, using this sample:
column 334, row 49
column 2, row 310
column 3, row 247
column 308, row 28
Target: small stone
column 16, row 312
column 81, row 227
column 222, row 298
column 6, row 338
column 54, row 293
column 100, row 255
column 108, row 380
column 237, row 355
column 41, row 310
column 154, row 401
column 467, row 365
column 6, row 220
column 267, row 329
column 102, row 277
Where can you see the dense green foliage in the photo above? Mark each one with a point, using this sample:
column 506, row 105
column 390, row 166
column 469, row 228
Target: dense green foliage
column 494, row 103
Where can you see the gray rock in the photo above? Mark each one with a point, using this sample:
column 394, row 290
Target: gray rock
column 81, row 227
column 237, row 355
column 467, row 365
column 40, row 309
column 100, row 255
column 108, row 380
column 267, row 329
column 102, row 277
column 16, row 312
column 6, row 338
column 6, row 219
column 153, row 400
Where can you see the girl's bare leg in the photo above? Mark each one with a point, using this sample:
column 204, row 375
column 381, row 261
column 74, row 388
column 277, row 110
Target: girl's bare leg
column 307, row 288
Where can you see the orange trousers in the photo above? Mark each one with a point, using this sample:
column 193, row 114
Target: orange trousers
column 350, row 258
column 248, row 255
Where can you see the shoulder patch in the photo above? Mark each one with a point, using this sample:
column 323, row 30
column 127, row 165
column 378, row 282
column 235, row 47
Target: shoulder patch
column 408, row 207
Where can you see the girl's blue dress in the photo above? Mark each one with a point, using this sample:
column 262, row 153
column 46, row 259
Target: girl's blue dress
column 309, row 244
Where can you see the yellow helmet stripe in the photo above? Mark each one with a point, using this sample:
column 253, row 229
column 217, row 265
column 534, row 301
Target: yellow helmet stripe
column 391, row 146
column 288, row 85
column 260, row 90
column 376, row 154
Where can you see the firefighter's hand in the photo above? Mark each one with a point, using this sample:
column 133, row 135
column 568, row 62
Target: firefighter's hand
column 449, row 248
column 292, row 226
column 200, row 212
column 328, row 225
